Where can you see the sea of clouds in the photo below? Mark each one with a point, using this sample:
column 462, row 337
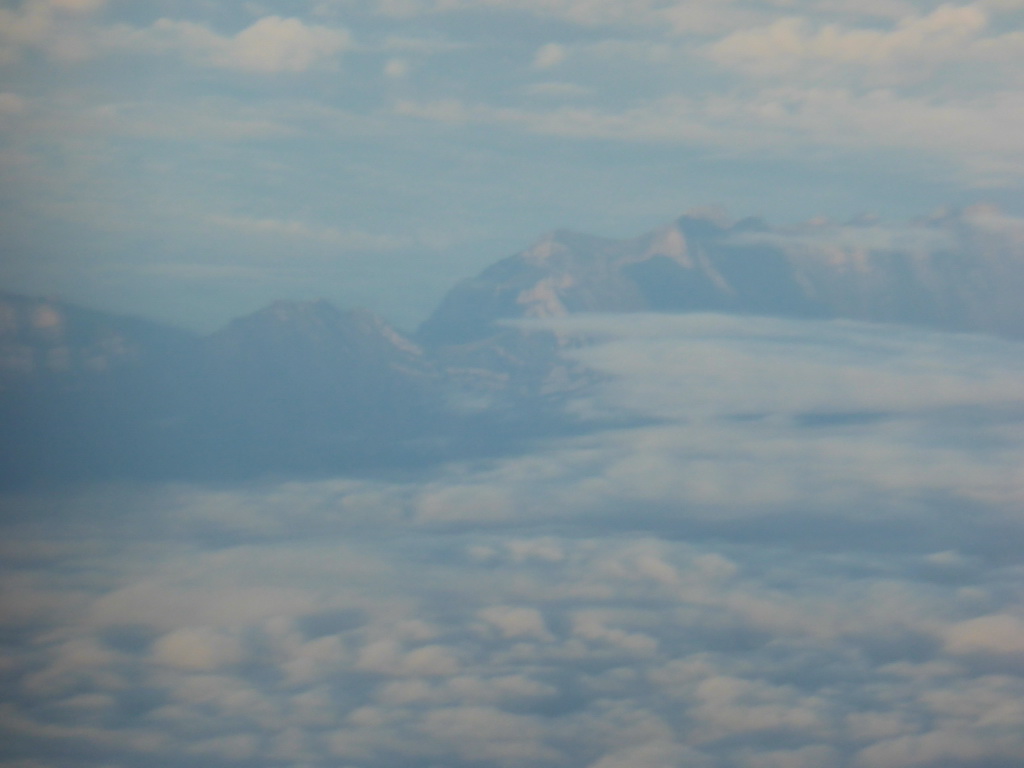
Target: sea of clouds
column 775, row 544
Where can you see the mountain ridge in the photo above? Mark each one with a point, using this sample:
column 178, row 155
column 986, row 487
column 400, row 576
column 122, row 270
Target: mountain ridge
column 302, row 386
column 968, row 279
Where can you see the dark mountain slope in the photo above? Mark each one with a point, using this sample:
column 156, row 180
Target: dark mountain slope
column 298, row 387
column 81, row 391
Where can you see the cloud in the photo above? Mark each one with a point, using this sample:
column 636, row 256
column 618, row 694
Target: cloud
column 515, row 621
column 990, row 220
column 679, row 17
column 486, row 734
column 701, row 366
column 792, row 45
column 979, row 137
column 623, row 676
column 549, row 55
column 653, row 755
column 62, row 29
column 999, row 634
column 789, row 545
column 274, row 44
column 270, row 45
column 936, row 85
column 818, row 237
column 396, row 68
column 196, row 649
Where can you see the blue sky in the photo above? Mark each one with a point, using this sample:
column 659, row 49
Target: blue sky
column 192, row 161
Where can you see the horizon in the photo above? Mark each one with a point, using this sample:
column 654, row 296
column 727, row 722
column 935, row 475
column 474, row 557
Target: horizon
column 192, row 162
column 828, row 231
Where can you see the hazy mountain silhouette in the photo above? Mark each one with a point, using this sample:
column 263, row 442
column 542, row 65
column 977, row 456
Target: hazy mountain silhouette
column 956, row 272
column 303, row 387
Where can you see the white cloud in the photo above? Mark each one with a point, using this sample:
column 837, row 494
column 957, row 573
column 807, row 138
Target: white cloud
column 990, row 220
column 708, row 681
column 60, row 28
column 516, row 621
column 981, row 138
column 811, row 756
column 575, row 606
column 197, row 649
column 487, row 734
column 820, row 237
column 656, row 754
column 444, row 503
column 598, row 629
column 270, row 45
column 793, row 45
column 274, row 44
column 954, row 746
column 995, row 634
column 396, row 68
column 677, row 17
column 705, row 365
column 728, row 705
column 934, row 83
column 549, row 55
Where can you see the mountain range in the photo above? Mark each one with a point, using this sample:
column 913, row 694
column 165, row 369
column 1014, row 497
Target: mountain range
column 303, row 387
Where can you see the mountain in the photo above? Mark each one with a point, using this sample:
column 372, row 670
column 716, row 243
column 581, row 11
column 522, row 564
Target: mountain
column 960, row 271
column 299, row 384
column 79, row 387
column 293, row 388
column 303, row 387
column 48, row 340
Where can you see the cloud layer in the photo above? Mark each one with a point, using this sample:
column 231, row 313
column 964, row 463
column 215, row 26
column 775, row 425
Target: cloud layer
column 783, row 545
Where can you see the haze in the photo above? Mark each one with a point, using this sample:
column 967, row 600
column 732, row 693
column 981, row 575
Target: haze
column 601, row 485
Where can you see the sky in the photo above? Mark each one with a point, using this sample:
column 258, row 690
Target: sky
column 193, row 161
column 790, row 545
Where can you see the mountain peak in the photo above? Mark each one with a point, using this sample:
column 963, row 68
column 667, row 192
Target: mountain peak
column 318, row 322
column 561, row 244
column 669, row 241
column 703, row 262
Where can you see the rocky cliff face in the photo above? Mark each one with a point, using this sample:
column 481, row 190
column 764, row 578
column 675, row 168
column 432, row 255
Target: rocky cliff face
column 961, row 272
column 956, row 272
